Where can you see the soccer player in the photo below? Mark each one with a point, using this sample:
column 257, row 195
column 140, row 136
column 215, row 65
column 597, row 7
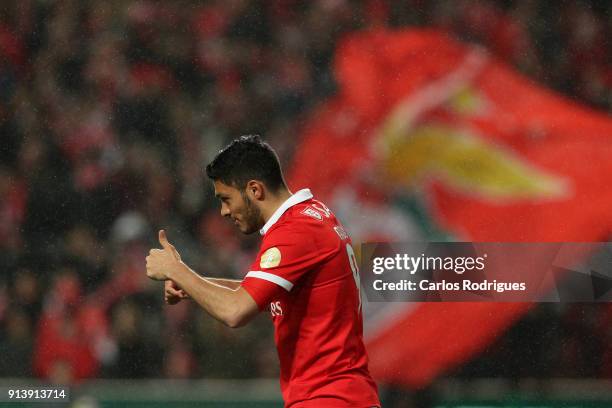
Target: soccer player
column 305, row 275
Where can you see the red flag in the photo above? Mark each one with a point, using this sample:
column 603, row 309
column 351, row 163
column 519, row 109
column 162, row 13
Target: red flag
column 490, row 155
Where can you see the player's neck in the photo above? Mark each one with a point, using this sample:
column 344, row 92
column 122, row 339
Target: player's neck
column 276, row 200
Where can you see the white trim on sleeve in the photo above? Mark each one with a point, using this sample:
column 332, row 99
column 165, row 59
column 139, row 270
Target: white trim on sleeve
column 270, row 277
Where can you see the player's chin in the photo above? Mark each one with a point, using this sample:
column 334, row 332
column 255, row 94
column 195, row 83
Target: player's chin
column 248, row 229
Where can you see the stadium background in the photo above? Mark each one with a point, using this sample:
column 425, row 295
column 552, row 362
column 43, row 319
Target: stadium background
column 110, row 109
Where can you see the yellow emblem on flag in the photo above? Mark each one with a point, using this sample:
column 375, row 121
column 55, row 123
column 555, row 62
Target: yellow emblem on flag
column 413, row 148
column 467, row 162
column 270, row 258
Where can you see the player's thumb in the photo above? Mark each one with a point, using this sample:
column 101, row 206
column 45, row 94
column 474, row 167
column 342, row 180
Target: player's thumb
column 163, row 240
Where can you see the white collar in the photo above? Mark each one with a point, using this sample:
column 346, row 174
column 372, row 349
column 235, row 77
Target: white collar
column 296, row 198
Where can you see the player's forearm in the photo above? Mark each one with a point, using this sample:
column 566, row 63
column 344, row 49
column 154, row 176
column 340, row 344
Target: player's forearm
column 217, row 299
column 228, row 283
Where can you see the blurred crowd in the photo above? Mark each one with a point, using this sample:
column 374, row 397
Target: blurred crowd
column 109, row 111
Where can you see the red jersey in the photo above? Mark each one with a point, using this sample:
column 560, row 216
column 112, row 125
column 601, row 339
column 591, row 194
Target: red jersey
column 306, row 275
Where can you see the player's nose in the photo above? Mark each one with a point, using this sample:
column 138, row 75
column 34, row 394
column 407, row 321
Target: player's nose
column 225, row 211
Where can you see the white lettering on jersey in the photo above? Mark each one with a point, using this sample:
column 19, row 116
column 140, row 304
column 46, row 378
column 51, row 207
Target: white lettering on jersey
column 341, row 232
column 321, row 207
column 355, row 269
column 312, row 213
column 276, row 309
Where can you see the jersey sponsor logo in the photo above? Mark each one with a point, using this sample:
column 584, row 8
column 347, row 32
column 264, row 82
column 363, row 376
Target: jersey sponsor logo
column 319, row 206
column 311, row 212
column 270, row 258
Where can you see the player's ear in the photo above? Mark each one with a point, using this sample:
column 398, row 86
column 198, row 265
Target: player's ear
column 255, row 190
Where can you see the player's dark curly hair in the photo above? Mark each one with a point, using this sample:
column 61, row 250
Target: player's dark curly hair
column 247, row 158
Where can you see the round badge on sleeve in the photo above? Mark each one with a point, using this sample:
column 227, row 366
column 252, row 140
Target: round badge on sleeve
column 270, row 258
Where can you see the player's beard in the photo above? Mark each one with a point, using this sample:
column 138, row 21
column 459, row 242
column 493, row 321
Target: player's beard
column 253, row 219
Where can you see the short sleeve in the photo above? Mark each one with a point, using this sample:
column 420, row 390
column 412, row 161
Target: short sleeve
column 283, row 259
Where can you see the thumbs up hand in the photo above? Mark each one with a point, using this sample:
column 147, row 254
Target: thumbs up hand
column 161, row 262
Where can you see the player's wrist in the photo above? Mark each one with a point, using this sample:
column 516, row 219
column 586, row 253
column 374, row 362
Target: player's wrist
column 177, row 269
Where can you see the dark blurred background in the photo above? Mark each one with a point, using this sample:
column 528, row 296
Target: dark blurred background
column 109, row 111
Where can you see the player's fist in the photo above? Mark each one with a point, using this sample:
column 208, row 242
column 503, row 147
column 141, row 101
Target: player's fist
column 173, row 293
column 161, row 261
